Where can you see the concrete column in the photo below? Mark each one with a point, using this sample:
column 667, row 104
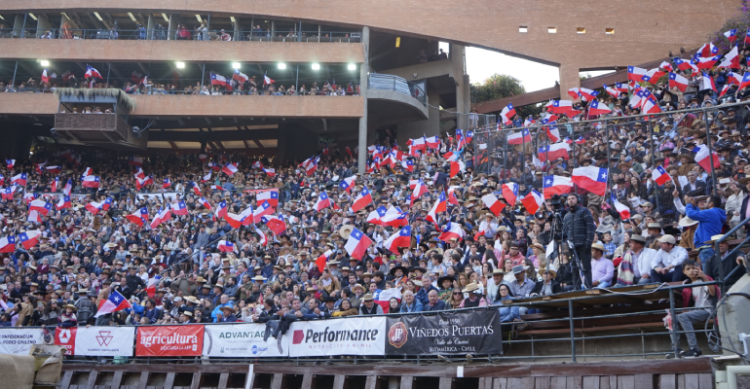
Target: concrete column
column 174, row 21
column 463, row 96
column 42, row 25
column 150, row 27
column 237, row 35
column 17, row 25
column 364, row 68
column 569, row 78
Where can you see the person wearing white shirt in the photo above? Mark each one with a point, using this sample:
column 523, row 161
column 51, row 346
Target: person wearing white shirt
column 667, row 266
column 640, row 259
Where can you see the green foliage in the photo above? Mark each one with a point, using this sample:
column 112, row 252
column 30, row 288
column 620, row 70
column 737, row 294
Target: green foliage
column 496, row 87
column 740, row 21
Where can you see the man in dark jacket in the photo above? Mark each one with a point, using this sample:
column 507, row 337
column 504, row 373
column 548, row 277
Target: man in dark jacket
column 133, row 282
column 578, row 228
column 549, row 285
column 729, row 263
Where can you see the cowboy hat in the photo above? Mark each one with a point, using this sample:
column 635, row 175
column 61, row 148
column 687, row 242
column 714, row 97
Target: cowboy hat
column 714, row 238
column 471, row 287
column 552, row 270
column 598, row 246
column 346, row 230
column 687, row 222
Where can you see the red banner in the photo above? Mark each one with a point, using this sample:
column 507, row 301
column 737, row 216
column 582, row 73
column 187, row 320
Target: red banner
column 169, row 341
column 66, row 337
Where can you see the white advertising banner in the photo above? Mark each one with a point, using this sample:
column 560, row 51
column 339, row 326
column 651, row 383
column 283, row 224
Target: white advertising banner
column 242, row 340
column 350, row 336
column 171, row 196
column 105, row 341
column 18, row 341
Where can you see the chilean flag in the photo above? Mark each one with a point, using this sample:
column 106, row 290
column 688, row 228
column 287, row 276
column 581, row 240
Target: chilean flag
column 518, row 138
column 140, row 182
column 493, row 204
column 274, row 223
column 357, row 244
column 29, row 197
column 636, row 73
column 7, row 193
column 441, row 205
column 138, row 217
column 731, row 35
column 724, row 91
column 205, row 203
column 196, row 189
column 591, row 178
column 95, row 207
column 731, row 59
column 54, row 169
column 507, row 113
column 323, row 202
column 676, row 80
column 419, row 190
column 363, row 199
column 262, row 239
column 264, row 209
column 40, row 206
column 138, row 174
column 533, row 201
column 161, row 217
column 87, row 172
column 560, row 106
column 375, row 216
column 63, row 203
column 660, row 176
column 402, row 239
column 151, row 286
column 35, row 217
column 588, row 94
column 573, row 92
column 207, row 177
column 166, row 183
column 135, row 161
column 418, row 144
column 621, row 208
column 433, row 142
column 703, row 158
column 394, row 217
column 557, row 185
column 53, row 187
column 10, row 163
column 456, row 167
column 91, row 72
column 707, row 50
column 221, row 209
column 91, row 182
column 707, row 82
column 596, row 108
column 258, row 165
column 408, row 165
column 452, row 199
column 347, row 184
column 744, row 83
column 706, row 63
column 239, row 76
column 214, row 166
column 217, row 79
column 452, row 230
column 230, row 169
column 580, row 140
column 510, row 193
column 29, row 239
column 555, row 151
column 8, row 244
column 19, row 179
column 225, row 246
column 271, row 196
column 217, row 187
column 115, row 302
column 612, row 91
column 650, row 106
column 181, row 209
column 68, row 187
column 270, row 172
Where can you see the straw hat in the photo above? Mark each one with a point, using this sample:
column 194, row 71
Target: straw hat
column 598, row 246
column 471, row 287
column 714, row 238
column 687, row 222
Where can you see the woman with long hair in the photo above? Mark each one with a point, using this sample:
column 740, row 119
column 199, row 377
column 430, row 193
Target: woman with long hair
column 457, row 299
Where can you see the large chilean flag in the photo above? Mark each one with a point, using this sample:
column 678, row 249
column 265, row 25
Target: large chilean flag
column 402, row 239
column 510, row 193
column 452, row 230
column 555, row 151
column 115, row 302
column 557, row 185
column 703, row 158
column 533, row 201
column 493, row 203
column 357, row 244
column 591, row 178
column 362, row 200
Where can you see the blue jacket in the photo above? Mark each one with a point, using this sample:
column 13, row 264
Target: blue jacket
column 416, row 306
column 710, row 222
column 421, row 296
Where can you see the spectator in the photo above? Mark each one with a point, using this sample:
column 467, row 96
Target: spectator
column 667, row 265
column 602, row 269
column 369, row 307
column 703, row 299
column 578, row 227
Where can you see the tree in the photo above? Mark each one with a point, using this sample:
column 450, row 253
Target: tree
column 740, row 21
column 499, row 86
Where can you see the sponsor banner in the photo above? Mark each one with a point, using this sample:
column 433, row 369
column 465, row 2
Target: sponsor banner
column 169, row 341
column 19, row 340
column 171, row 196
column 255, row 192
column 242, row 340
column 66, row 337
column 350, row 336
column 103, row 341
column 469, row 332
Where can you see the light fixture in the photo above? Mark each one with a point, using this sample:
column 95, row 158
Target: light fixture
column 180, row 65
column 581, row 30
column 232, row 19
column 398, row 41
column 32, row 15
column 609, row 31
column 63, row 14
column 166, row 18
column 98, row 16
column 2, row 18
column 199, row 18
column 236, row 65
column 315, row 66
column 44, row 63
column 281, row 66
column 523, row 29
column 132, row 17
column 552, row 30
column 351, row 66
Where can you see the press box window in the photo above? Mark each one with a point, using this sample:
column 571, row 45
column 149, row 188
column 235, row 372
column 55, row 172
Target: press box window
column 552, row 30
column 581, row 30
column 523, row 29
column 609, row 31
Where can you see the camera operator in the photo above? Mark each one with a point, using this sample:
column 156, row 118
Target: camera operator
column 578, row 228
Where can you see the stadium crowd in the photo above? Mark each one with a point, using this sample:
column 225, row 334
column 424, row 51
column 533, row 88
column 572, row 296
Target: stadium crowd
column 475, row 234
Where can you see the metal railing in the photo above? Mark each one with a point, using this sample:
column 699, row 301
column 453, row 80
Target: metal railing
column 389, row 82
column 185, row 34
column 569, row 321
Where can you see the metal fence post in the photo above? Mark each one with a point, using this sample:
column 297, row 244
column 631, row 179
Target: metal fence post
column 673, row 330
column 572, row 331
column 710, row 154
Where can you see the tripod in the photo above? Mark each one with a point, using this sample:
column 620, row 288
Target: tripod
column 557, row 226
